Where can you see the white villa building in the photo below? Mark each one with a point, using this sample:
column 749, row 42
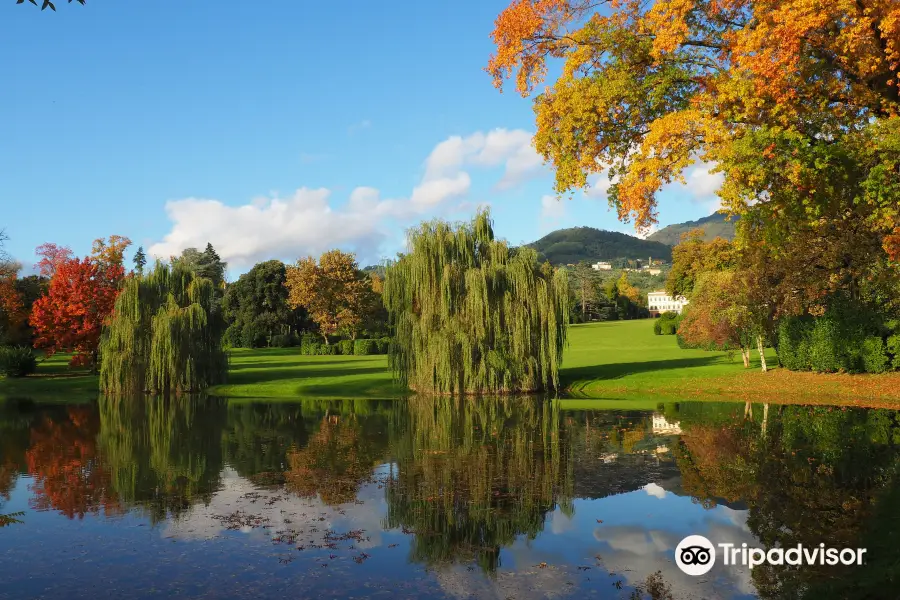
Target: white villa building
column 602, row 266
column 660, row 302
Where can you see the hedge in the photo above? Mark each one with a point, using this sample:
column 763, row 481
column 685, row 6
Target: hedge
column 847, row 337
column 311, row 347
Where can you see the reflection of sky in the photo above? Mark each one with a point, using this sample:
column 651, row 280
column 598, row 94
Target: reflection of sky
column 197, row 556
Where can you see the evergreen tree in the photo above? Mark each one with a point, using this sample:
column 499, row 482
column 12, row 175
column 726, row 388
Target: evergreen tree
column 211, row 266
column 140, row 259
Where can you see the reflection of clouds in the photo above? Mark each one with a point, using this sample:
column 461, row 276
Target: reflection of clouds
column 285, row 512
column 636, row 553
column 653, row 489
column 559, row 522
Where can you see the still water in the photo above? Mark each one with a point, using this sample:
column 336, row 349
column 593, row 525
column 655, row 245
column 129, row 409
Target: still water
column 441, row 498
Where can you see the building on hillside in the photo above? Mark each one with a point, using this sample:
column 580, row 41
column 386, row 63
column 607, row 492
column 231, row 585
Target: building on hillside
column 602, row 266
column 659, row 302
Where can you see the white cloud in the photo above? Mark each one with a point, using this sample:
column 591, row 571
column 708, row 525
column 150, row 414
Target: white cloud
column 702, row 182
column 599, row 185
column 508, row 147
column 655, row 490
column 301, row 224
column 307, row 223
column 552, row 208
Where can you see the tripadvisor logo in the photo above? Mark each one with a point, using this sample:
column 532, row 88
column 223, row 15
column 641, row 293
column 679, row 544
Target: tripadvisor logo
column 696, row 555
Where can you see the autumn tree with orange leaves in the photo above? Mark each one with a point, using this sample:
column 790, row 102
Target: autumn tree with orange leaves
column 70, row 317
column 335, row 293
column 796, row 102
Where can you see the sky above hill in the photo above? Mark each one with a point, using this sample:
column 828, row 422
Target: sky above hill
column 272, row 129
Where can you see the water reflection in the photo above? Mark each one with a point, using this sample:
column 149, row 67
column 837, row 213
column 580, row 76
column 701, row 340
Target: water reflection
column 442, row 497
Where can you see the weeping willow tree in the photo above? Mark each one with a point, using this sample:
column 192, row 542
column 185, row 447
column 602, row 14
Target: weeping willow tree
column 471, row 315
column 164, row 335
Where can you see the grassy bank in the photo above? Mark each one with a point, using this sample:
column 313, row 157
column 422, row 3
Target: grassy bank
column 618, row 360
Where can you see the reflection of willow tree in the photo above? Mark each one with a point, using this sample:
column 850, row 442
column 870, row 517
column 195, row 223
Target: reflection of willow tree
column 338, row 457
column 810, row 477
column 70, row 473
column 163, row 454
column 472, row 475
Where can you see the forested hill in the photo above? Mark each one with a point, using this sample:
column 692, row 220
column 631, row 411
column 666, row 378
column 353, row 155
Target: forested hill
column 571, row 246
column 713, row 226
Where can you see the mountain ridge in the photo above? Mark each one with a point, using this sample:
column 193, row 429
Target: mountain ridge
column 715, row 225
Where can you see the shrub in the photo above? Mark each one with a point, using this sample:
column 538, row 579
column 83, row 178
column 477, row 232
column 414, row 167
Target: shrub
column 385, row 345
column 309, row 343
column 285, row 340
column 825, row 354
column 253, row 336
column 364, row 347
column 793, row 344
column 893, row 349
column 667, row 324
column 345, row 347
column 232, row 336
column 874, row 357
column 17, row 361
column 848, row 337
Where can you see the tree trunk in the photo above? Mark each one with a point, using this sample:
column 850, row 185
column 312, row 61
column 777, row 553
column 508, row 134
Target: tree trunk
column 325, row 337
column 583, row 303
column 762, row 352
column 745, row 356
column 748, row 410
column 765, row 418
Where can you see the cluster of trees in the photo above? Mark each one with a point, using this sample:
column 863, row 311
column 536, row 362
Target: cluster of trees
column 161, row 327
column 797, row 107
column 607, row 295
column 822, row 311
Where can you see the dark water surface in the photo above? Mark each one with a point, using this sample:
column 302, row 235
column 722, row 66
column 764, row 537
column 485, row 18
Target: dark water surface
column 439, row 498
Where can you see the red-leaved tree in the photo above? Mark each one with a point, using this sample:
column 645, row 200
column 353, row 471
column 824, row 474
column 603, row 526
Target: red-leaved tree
column 51, row 257
column 70, row 316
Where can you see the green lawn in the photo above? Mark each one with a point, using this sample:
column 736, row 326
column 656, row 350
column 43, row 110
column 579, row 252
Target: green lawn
column 610, row 358
column 618, row 361
column 284, row 373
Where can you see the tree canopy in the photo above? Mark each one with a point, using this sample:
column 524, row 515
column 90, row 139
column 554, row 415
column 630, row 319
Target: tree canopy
column 256, row 306
column 335, row 292
column 80, row 297
column 648, row 88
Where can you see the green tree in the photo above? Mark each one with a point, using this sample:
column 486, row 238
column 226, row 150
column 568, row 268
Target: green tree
column 139, row 260
column 256, row 306
column 471, row 315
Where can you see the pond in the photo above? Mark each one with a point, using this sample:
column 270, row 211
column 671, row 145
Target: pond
column 439, row 498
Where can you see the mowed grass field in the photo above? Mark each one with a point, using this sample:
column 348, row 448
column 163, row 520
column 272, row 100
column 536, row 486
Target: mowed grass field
column 614, row 361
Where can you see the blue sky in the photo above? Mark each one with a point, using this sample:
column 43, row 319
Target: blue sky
column 273, row 129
